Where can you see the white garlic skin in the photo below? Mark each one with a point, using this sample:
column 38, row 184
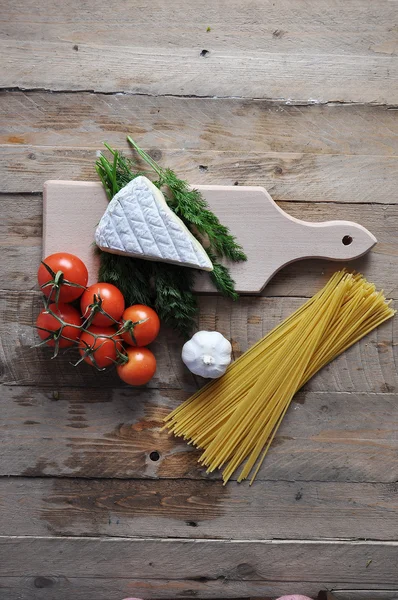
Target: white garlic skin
column 207, row 353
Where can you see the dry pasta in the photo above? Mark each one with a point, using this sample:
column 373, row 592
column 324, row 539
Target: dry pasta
column 235, row 418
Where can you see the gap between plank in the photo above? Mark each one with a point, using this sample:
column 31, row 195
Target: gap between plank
column 270, row 542
column 44, row 476
column 283, row 101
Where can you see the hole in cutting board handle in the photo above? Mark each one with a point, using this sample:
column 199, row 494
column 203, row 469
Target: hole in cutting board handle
column 347, row 240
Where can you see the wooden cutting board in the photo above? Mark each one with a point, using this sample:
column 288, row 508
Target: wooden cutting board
column 270, row 237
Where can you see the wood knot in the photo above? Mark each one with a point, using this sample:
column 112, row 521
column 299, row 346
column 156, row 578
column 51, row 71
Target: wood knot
column 155, row 153
column 43, row 582
column 244, row 570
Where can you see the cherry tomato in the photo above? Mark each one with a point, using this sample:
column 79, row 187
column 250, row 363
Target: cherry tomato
column 61, row 281
column 54, row 330
column 103, row 296
column 140, row 334
column 139, row 368
column 96, row 347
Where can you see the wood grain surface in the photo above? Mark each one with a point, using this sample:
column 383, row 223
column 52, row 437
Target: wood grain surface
column 298, row 96
column 296, row 52
column 114, row 433
column 207, row 559
column 85, row 120
column 107, row 588
column 334, row 154
column 273, row 509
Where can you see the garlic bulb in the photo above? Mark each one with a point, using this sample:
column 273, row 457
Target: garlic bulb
column 207, row 353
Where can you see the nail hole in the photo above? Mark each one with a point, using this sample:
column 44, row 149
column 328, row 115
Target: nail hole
column 204, row 52
column 347, row 240
column 203, row 168
column 154, row 456
column 192, row 524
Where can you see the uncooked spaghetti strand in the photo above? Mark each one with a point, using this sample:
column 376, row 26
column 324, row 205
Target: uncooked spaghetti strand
column 238, row 418
column 287, row 392
column 269, row 442
column 276, row 331
column 243, row 416
column 204, row 458
column 349, row 341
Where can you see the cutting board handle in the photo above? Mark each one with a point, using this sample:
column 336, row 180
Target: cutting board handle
column 333, row 240
column 273, row 239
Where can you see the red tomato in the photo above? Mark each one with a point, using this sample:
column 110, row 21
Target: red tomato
column 140, row 334
column 53, row 328
column 96, row 347
column 103, row 296
column 66, row 272
column 139, row 368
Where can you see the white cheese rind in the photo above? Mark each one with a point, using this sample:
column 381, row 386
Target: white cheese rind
column 139, row 223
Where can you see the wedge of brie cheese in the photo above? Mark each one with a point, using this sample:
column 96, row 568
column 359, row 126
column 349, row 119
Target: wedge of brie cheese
column 139, row 223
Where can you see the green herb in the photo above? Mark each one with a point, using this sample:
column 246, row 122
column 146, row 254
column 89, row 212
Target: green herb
column 167, row 287
column 163, row 286
column 208, row 29
column 193, row 209
column 129, row 275
column 175, row 303
column 221, row 278
column 116, row 174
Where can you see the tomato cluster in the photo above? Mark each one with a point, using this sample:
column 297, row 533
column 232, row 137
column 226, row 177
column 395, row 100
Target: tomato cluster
column 105, row 332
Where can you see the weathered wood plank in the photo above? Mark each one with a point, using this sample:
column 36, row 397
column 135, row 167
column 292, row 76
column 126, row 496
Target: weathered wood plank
column 287, row 176
column 254, row 74
column 244, row 561
column 370, row 365
column 338, row 27
column 303, row 51
column 368, row 594
column 104, row 588
column 198, row 509
column 21, row 233
column 308, row 53
column 82, row 120
column 84, row 432
column 20, row 240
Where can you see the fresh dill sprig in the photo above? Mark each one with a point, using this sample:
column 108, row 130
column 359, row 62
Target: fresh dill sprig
column 129, row 275
column 174, row 301
column 117, row 173
column 221, row 278
column 166, row 287
column 190, row 205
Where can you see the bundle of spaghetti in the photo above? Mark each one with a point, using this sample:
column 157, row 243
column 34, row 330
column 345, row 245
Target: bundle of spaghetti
column 235, row 418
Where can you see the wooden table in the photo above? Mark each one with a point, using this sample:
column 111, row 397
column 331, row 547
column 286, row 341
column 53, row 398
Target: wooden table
column 299, row 96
